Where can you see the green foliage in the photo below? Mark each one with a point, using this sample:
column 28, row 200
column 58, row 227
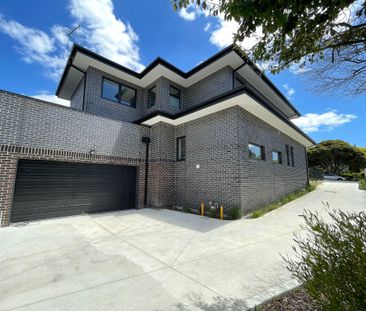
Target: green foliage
column 187, row 209
column 284, row 200
column 213, row 212
column 234, row 213
column 302, row 32
column 362, row 184
column 334, row 156
column 331, row 260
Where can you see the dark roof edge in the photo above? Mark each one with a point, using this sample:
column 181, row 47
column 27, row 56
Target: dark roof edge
column 269, row 83
column 157, row 61
column 220, row 98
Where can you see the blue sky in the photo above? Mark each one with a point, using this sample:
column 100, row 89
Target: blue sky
column 34, row 48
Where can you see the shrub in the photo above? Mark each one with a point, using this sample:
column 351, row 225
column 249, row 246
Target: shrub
column 187, row 209
column 331, row 260
column 362, row 184
column 213, row 212
column 234, row 213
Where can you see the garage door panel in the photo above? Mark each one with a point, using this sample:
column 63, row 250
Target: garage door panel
column 46, row 189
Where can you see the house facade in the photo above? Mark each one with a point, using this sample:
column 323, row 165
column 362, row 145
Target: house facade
column 161, row 138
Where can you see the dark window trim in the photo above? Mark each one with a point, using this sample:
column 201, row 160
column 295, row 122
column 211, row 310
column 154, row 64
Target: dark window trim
column 179, row 97
column 280, row 161
column 177, row 151
column 292, row 156
column 119, row 90
column 288, row 155
column 262, row 149
column 148, row 95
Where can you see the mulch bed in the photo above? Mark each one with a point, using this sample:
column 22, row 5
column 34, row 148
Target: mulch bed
column 296, row 300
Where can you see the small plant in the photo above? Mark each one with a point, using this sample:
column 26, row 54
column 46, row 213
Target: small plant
column 187, row 209
column 284, row 200
column 331, row 260
column 362, row 184
column 234, row 213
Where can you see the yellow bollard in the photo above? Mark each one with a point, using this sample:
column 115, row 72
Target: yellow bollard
column 202, row 209
column 221, row 212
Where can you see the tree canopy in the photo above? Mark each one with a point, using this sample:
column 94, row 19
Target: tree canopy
column 334, row 156
column 330, row 33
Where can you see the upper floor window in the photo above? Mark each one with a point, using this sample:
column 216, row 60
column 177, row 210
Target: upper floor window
column 119, row 93
column 256, row 152
column 174, row 98
column 152, row 96
column 181, row 148
column 277, row 157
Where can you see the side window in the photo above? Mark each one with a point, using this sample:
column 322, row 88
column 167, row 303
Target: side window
column 256, row 151
column 110, row 90
column 290, row 155
column 181, row 148
column 174, row 98
column 152, row 97
column 277, row 157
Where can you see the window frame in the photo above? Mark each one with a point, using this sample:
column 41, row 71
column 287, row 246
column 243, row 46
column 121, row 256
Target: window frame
column 149, row 105
column 288, row 155
column 119, row 101
column 262, row 152
column 292, row 154
column 178, row 97
column 279, row 156
column 178, row 155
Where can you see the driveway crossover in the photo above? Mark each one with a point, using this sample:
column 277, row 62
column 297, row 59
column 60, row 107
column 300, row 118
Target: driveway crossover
column 156, row 259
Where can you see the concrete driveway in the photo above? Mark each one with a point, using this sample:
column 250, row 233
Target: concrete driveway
column 155, row 259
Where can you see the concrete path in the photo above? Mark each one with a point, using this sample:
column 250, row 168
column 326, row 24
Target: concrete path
column 156, row 259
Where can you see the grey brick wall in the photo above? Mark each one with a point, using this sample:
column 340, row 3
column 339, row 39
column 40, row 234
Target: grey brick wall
column 161, row 166
column 262, row 182
column 213, row 85
column 218, row 143
column 30, row 122
column 94, row 103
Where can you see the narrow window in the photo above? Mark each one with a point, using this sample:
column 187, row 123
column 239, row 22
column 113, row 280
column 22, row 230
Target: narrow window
column 256, row 152
column 174, row 97
column 118, row 93
column 152, row 97
column 277, row 157
column 110, row 90
column 181, row 148
column 292, row 156
column 288, row 155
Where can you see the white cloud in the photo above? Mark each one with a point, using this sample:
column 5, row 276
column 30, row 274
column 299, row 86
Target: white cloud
column 191, row 12
column 52, row 98
column 103, row 32
column 208, row 26
column 35, row 46
column 289, row 91
column 223, row 35
column 188, row 16
column 100, row 31
column 313, row 122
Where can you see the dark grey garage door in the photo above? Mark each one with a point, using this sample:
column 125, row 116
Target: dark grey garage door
column 46, row 189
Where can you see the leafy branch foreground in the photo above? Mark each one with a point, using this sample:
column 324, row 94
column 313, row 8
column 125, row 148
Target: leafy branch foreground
column 284, row 200
column 331, row 260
